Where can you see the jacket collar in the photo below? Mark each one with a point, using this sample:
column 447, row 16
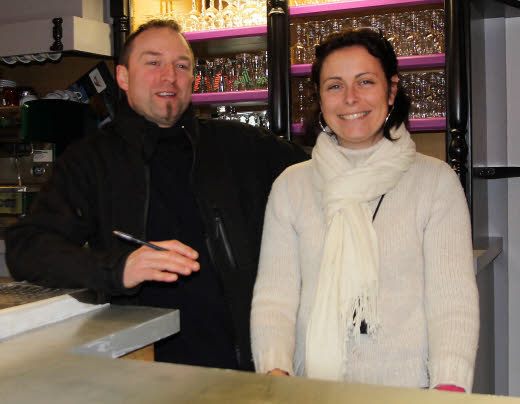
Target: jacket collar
column 141, row 134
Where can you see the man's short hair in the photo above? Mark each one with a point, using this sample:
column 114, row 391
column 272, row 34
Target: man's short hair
column 157, row 23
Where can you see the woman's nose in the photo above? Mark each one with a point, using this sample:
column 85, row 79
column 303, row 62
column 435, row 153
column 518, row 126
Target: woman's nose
column 350, row 95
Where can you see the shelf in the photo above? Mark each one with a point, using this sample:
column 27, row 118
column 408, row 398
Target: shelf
column 10, row 109
column 356, row 5
column 416, row 125
column 405, row 63
column 11, row 189
column 226, row 33
column 230, row 97
column 427, row 125
column 35, row 36
column 302, row 11
column 421, row 61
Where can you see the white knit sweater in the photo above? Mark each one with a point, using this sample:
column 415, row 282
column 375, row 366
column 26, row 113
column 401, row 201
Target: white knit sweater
column 428, row 300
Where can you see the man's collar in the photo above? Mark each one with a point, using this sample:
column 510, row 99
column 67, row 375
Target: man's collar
column 135, row 128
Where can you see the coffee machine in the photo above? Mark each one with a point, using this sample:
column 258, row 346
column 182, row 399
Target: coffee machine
column 32, row 137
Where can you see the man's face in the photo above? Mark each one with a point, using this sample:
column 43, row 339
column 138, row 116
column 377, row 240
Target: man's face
column 159, row 76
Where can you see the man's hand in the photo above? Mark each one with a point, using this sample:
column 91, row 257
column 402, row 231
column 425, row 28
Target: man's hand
column 146, row 264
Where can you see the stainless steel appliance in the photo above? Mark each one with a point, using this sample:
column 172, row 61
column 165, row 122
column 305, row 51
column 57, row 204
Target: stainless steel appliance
column 31, row 138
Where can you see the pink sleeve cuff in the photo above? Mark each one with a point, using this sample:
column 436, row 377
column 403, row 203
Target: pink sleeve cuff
column 450, row 387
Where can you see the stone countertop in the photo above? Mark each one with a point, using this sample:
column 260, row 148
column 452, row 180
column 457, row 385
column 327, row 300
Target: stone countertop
column 70, row 362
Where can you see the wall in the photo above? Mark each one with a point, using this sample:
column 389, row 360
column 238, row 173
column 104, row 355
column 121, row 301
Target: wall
column 496, row 142
column 496, row 155
column 513, row 196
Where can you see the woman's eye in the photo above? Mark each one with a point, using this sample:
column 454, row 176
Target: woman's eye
column 333, row 87
column 366, row 82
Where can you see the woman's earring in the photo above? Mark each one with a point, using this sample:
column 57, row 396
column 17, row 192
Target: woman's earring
column 388, row 116
column 323, row 127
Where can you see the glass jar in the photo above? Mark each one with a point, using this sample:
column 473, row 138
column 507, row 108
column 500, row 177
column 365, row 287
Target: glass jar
column 8, row 93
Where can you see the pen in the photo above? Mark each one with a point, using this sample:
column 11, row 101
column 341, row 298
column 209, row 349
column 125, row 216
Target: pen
column 132, row 239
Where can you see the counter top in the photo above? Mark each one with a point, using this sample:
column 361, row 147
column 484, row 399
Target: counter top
column 70, row 361
column 485, row 250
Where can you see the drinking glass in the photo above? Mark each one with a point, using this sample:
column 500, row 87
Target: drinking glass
column 298, row 52
column 259, row 67
column 210, row 15
column 228, row 13
column 220, row 76
column 220, row 21
column 237, row 16
column 192, row 21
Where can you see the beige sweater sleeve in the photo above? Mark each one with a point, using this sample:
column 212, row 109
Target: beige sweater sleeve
column 450, row 286
column 277, row 288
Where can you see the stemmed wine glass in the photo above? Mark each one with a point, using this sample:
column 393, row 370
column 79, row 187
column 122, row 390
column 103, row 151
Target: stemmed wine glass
column 228, row 13
column 298, row 49
column 220, row 21
column 193, row 19
column 210, row 15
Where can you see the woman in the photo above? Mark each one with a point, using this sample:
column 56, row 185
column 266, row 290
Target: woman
column 366, row 268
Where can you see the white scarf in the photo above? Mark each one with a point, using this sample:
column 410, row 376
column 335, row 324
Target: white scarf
column 348, row 279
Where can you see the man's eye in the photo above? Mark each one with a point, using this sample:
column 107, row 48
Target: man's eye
column 182, row 66
column 152, row 62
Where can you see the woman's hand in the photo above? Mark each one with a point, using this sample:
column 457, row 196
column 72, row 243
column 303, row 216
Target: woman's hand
column 449, row 387
column 278, row 372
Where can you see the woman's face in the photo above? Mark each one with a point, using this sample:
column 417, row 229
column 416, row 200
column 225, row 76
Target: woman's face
column 354, row 96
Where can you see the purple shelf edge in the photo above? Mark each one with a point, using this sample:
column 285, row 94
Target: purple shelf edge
column 301, row 11
column 405, row 63
column 230, row 96
column 416, row 125
column 226, row 33
column 411, row 62
column 427, row 124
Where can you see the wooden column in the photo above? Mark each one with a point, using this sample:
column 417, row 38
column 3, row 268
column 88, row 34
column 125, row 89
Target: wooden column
column 458, row 93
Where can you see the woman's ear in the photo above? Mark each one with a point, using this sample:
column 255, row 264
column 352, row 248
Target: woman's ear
column 394, row 80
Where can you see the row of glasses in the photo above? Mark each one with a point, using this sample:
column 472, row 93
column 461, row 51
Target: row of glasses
column 419, row 32
column 426, row 89
column 253, row 118
column 427, row 92
column 245, row 71
column 218, row 14
column 304, row 97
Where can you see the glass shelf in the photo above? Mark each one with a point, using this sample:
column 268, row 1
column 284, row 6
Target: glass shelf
column 309, row 10
column 416, row 125
column 356, row 5
column 227, row 33
column 405, row 63
column 230, row 97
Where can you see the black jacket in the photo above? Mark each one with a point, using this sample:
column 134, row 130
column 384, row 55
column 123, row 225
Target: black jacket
column 101, row 184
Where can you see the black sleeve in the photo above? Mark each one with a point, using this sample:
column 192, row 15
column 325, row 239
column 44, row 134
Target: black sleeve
column 50, row 245
column 279, row 154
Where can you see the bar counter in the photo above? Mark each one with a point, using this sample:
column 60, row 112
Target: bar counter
column 73, row 361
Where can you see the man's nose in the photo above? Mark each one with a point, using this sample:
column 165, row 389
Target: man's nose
column 168, row 73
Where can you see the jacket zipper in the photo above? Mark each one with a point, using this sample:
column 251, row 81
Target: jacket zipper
column 146, row 199
column 220, row 234
column 211, row 250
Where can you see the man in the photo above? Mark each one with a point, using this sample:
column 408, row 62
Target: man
column 159, row 173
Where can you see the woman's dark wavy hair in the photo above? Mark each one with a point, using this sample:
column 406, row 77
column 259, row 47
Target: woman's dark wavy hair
column 379, row 47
